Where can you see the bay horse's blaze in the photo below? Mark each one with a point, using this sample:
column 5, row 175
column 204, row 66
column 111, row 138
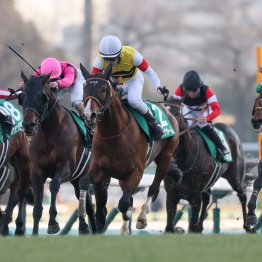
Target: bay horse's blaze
column 56, row 149
column 119, row 150
column 197, row 165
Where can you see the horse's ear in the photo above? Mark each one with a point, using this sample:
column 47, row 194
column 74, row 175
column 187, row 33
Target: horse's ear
column 25, row 79
column 84, row 71
column 45, row 79
column 107, row 72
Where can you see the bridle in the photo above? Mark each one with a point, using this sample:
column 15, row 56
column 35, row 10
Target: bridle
column 105, row 104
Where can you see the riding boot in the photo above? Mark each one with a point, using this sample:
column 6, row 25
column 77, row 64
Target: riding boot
column 80, row 109
column 155, row 128
column 212, row 134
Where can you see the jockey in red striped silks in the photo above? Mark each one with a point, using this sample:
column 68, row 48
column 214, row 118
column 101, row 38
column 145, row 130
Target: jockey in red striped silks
column 200, row 103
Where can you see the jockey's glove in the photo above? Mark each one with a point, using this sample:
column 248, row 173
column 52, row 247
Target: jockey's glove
column 258, row 88
column 163, row 91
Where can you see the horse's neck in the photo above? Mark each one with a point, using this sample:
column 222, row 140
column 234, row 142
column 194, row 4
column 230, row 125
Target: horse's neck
column 114, row 121
column 52, row 120
column 188, row 145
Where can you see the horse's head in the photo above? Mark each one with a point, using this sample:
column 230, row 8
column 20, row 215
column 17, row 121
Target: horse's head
column 256, row 119
column 175, row 107
column 97, row 94
column 35, row 100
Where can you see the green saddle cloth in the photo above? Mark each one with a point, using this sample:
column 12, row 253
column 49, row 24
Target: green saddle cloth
column 81, row 126
column 158, row 114
column 8, row 108
column 211, row 145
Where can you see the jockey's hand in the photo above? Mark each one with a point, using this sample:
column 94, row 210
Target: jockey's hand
column 202, row 120
column 53, row 85
column 163, row 91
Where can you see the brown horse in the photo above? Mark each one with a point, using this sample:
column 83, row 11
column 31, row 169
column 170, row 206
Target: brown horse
column 256, row 121
column 57, row 149
column 15, row 172
column 195, row 161
column 120, row 150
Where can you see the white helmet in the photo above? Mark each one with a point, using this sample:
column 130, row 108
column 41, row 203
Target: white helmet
column 110, row 46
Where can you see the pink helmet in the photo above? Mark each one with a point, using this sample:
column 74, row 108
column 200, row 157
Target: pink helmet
column 51, row 65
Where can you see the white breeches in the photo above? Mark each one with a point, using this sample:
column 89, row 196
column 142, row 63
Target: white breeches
column 76, row 90
column 134, row 89
column 195, row 114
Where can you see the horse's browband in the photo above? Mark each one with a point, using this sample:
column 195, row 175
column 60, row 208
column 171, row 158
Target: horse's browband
column 97, row 78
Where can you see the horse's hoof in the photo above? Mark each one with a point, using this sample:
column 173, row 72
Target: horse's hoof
column 84, row 231
column 141, row 224
column 251, row 220
column 53, row 229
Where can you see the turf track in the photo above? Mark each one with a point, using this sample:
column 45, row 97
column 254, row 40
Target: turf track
column 145, row 248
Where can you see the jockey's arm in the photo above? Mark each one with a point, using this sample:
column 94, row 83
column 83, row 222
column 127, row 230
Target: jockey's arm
column 178, row 95
column 213, row 103
column 142, row 65
column 68, row 79
column 97, row 67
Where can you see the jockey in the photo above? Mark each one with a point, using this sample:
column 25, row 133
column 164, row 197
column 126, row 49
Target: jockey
column 64, row 77
column 126, row 61
column 201, row 104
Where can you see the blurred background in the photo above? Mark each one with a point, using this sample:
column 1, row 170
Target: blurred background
column 216, row 38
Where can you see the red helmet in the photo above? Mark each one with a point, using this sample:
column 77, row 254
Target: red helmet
column 51, row 66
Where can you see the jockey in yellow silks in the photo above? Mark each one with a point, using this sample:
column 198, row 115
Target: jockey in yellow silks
column 127, row 65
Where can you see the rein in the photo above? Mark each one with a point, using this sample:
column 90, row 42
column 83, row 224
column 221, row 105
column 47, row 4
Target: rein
column 104, row 106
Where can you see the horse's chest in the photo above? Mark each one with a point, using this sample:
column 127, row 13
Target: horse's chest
column 117, row 165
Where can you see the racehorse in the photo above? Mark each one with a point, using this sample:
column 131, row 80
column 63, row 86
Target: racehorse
column 56, row 149
column 256, row 121
column 15, row 172
column 195, row 161
column 119, row 150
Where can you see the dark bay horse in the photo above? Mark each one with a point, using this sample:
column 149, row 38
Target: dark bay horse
column 15, row 173
column 194, row 160
column 120, row 150
column 256, row 121
column 57, row 149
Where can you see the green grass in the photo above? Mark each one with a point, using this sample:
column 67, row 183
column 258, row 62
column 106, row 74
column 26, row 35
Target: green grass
column 177, row 248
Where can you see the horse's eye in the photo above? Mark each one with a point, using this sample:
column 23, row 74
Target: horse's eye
column 41, row 99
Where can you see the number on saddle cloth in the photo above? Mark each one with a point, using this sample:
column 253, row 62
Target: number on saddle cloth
column 158, row 114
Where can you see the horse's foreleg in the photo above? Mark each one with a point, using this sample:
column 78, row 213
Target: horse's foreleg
column 203, row 214
column 20, row 222
column 142, row 218
column 84, row 183
column 125, row 204
column 53, row 226
column 101, row 200
column 38, row 188
column 127, row 218
column 12, row 202
column 196, row 206
column 251, row 216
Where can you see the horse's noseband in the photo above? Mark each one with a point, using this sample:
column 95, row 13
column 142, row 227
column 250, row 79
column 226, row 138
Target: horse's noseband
column 94, row 86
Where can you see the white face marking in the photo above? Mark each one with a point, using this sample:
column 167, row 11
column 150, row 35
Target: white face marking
column 87, row 110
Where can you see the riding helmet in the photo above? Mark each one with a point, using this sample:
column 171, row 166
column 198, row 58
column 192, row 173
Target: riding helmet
column 51, row 65
column 192, row 81
column 110, row 47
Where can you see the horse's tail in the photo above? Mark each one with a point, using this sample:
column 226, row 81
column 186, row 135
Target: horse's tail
column 29, row 196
